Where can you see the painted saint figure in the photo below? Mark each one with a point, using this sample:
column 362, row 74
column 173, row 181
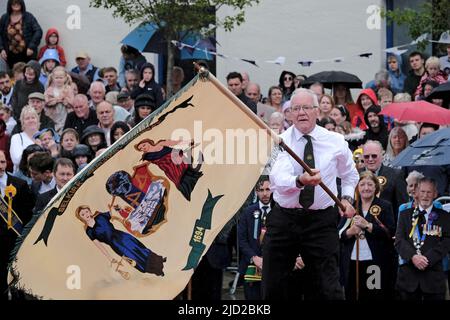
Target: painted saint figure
column 176, row 166
column 101, row 231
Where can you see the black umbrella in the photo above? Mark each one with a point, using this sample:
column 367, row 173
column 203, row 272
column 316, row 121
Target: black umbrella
column 431, row 150
column 440, row 92
column 330, row 78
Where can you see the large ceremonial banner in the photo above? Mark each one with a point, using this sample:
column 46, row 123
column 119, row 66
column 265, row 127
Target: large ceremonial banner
column 135, row 222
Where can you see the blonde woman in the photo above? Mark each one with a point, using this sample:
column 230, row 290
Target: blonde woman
column 29, row 120
column 397, row 142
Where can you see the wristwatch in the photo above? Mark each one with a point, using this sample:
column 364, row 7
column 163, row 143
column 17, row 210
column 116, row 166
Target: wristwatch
column 349, row 199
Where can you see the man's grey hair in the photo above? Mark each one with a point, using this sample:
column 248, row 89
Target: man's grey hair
column 97, row 84
column 253, row 84
column 375, row 142
column 310, row 93
column 402, row 97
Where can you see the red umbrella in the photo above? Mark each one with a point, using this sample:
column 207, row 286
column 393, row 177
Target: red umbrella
column 419, row 111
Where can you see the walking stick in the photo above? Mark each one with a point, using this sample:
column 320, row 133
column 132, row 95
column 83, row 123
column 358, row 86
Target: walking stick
column 357, row 250
column 189, row 290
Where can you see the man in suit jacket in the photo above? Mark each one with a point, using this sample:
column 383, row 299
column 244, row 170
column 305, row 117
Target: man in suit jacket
column 64, row 170
column 22, row 204
column 393, row 185
column 422, row 241
column 41, row 171
column 250, row 226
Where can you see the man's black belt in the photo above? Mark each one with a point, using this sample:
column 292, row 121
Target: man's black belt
column 301, row 211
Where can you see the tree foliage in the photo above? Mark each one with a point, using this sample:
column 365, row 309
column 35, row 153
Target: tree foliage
column 431, row 17
column 174, row 16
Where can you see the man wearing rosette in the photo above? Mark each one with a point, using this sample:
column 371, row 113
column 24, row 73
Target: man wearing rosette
column 423, row 241
column 15, row 191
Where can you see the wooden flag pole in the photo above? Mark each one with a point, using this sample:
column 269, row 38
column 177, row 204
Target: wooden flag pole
column 308, row 169
column 275, row 137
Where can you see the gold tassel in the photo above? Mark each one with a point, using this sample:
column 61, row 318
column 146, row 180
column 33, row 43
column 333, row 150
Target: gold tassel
column 10, row 192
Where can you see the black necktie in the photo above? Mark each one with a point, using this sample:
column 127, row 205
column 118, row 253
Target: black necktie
column 306, row 198
column 264, row 214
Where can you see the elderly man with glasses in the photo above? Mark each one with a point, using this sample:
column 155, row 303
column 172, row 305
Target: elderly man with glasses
column 392, row 181
column 304, row 218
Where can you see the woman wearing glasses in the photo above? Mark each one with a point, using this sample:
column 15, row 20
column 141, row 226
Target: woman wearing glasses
column 287, row 84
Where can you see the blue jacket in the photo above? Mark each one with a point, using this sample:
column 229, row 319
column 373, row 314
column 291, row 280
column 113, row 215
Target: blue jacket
column 248, row 245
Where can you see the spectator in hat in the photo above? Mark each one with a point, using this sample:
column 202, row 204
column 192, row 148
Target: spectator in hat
column 85, row 67
column 124, row 100
column 82, row 116
column 396, row 76
column 49, row 140
column 82, row 155
column 94, row 138
column 52, row 42
column 37, row 101
column 49, row 61
column 376, row 128
column 143, row 106
column 118, row 129
column 366, row 98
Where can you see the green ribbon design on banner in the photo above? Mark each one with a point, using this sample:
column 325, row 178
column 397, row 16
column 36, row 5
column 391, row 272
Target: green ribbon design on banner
column 198, row 233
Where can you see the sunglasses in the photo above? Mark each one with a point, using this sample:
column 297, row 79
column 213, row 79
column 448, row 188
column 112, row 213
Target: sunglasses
column 368, row 156
column 287, row 78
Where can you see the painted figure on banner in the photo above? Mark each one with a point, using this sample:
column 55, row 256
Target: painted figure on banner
column 100, row 230
column 174, row 162
column 145, row 197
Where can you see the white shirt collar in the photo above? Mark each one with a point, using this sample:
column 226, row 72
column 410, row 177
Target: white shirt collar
column 427, row 210
column 3, row 182
column 261, row 205
column 313, row 134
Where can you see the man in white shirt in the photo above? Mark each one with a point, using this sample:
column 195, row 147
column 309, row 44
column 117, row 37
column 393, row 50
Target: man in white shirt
column 304, row 219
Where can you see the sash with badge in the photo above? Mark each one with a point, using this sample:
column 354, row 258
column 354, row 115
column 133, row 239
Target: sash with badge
column 252, row 273
column 419, row 232
column 7, row 213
